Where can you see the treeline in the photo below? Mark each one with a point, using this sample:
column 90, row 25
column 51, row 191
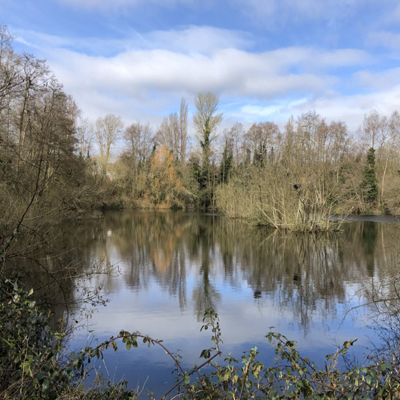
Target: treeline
column 300, row 177
column 296, row 178
column 155, row 168
column 56, row 163
column 309, row 167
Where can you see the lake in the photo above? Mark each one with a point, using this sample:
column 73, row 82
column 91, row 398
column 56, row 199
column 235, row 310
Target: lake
column 166, row 268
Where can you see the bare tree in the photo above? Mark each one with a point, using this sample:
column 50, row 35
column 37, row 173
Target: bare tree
column 169, row 132
column 173, row 132
column 234, row 137
column 388, row 151
column 107, row 131
column 261, row 139
column 183, row 123
column 375, row 129
column 206, row 119
column 85, row 136
column 140, row 140
column 10, row 63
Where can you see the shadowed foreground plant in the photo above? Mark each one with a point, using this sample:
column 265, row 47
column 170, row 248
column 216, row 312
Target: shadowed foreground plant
column 34, row 365
column 33, row 359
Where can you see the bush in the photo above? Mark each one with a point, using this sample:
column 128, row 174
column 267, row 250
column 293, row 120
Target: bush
column 33, row 362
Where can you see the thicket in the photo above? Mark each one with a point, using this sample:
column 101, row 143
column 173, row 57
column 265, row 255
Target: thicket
column 298, row 181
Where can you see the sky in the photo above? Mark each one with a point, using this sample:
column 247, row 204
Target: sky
column 267, row 60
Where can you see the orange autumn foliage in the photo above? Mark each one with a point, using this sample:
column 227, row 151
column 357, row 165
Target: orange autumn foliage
column 164, row 185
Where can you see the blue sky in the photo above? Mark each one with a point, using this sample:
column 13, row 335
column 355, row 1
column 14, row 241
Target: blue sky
column 267, row 59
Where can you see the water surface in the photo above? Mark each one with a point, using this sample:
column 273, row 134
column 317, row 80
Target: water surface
column 167, row 268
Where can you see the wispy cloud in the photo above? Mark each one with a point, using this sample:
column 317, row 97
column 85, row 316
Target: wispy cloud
column 284, row 10
column 189, row 39
column 332, row 106
column 310, row 9
column 389, row 40
column 393, row 16
column 152, row 70
column 380, row 80
column 142, row 75
column 196, row 39
column 119, row 5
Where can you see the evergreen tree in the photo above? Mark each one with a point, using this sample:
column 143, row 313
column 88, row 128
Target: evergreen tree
column 369, row 184
column 272, row 156
column 247, row 160
column 226, row 164
column 260, row 156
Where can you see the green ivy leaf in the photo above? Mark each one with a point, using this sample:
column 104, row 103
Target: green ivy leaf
column 46, row 385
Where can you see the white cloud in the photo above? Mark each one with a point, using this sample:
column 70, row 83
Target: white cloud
column 379, row 80
column 196, row 39
column 386, row 39
column 136, row 73
column 269, row 111
column 133, row 83
column 146, row 79
column 350, row 108
column 394, row 15
column 189, row 39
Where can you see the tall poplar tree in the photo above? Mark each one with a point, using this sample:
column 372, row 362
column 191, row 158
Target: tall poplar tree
column 206, row 119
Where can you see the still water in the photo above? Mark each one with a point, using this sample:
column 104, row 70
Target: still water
column 165, row 269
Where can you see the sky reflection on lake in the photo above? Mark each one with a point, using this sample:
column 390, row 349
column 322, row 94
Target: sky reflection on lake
column 173, row 266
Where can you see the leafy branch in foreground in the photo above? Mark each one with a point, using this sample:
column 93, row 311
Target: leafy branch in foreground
column 34, row 364
column 33, row 359
column 291, row 377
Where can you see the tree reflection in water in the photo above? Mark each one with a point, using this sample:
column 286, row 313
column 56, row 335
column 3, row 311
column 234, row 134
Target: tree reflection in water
column 161, row 270
column 301, row 273
column 304, row 275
